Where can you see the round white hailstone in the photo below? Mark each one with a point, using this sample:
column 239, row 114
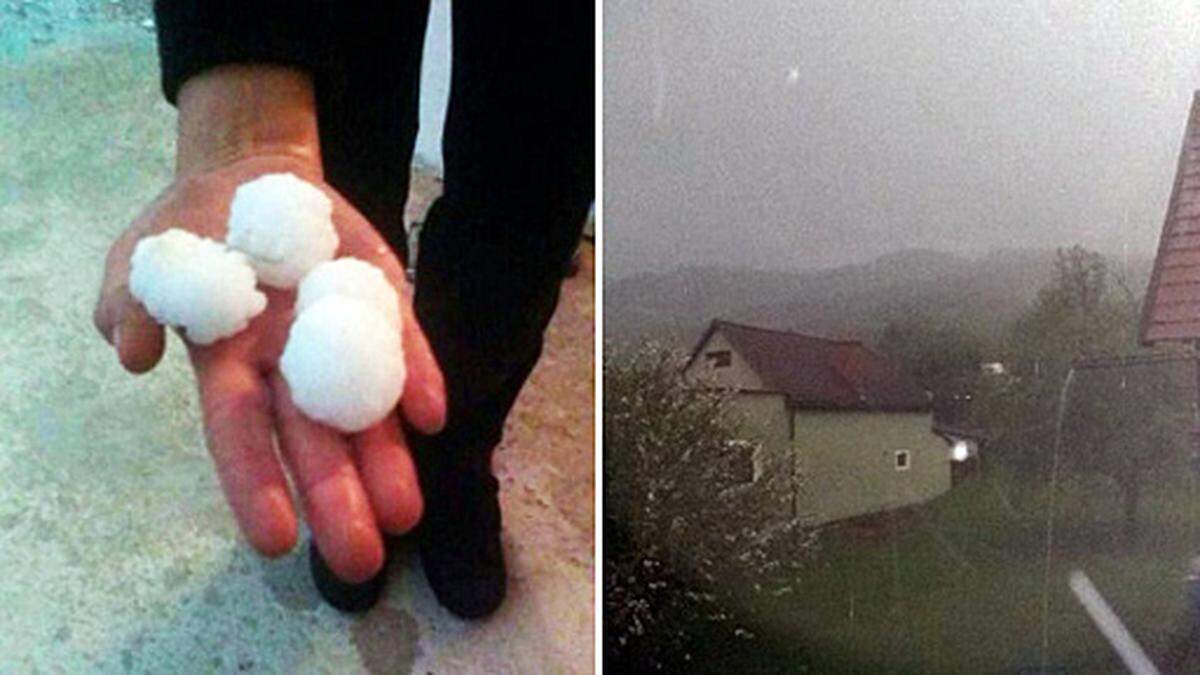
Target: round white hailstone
column 284, row 224
column 344, row 363
column 352, row 278
column 196, row 283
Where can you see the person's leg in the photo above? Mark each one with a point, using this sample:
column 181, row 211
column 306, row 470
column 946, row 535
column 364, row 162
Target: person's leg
column 519, row 154
column 368, row 109
column 367, row 113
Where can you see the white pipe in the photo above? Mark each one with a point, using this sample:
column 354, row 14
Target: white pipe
column 1110, row 626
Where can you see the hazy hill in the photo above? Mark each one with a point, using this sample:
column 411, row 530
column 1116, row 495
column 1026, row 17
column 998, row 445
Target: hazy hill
column 851, row 301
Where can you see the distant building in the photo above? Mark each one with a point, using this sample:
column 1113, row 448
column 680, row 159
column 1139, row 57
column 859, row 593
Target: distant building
column 993, row 368
column 858, row 429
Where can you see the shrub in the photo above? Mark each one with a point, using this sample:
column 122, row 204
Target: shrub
column 682, row 528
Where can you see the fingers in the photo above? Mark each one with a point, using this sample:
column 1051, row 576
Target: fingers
column 424, row 398
column 237, row 424
column 336, row 505
column 389, row 475
column 138, row 340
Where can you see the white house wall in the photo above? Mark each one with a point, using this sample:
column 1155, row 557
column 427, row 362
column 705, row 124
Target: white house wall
column 848, row 460
column 738, row 374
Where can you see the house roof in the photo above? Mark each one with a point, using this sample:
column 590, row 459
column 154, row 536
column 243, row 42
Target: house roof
column 818, row 372
column 1171, row 311
column 961, row 432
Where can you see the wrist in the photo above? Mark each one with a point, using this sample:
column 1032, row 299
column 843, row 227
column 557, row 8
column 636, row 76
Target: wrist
column 238, row 111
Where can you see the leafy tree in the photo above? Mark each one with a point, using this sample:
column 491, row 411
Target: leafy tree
column 1073, row 317
column 1124, row 421
column 943, row 357
column 682, row 529
column 935, row 352
column 1077, row 316
column 1129, row 424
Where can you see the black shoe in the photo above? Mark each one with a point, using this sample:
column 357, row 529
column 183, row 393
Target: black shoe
column 459, row 540
column 347, row 597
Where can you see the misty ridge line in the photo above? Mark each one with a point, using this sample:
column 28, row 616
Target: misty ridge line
column 1118, row 259
column 857, row 301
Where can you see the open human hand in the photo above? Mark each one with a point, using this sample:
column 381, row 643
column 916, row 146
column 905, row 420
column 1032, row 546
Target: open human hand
column 351, row 486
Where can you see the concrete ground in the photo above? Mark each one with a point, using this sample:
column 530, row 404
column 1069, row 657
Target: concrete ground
column 117, row 551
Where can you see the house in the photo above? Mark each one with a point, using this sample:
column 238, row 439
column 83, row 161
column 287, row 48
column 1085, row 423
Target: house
column 1171, row 309
column 857, row 429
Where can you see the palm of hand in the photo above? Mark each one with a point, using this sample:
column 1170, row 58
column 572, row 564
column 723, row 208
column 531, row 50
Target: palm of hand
column 351, row 486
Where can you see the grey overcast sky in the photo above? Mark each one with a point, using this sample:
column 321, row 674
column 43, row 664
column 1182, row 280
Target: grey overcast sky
column 784, row 134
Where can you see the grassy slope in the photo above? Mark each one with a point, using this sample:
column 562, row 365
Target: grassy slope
column 957, row 586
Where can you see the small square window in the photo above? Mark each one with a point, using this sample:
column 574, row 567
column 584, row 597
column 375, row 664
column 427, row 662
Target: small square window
column 720, row 359
column 902, row 460
column 742, row 462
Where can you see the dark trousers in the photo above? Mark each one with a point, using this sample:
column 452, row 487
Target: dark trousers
column 518, row 153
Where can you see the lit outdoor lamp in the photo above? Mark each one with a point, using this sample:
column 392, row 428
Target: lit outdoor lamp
column 960, row 452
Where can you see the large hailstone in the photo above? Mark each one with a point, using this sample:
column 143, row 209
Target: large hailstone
column 195, row 283
column 352, row 278
column 284, row 224
column 344, row 363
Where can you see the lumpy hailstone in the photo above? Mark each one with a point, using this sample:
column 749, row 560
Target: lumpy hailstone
column 344, row 363
column 284, row 224
column 195, row 283
column 352, row 278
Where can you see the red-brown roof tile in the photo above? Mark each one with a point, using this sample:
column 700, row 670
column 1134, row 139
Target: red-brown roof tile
column 821, row 373
column 1171, row 311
